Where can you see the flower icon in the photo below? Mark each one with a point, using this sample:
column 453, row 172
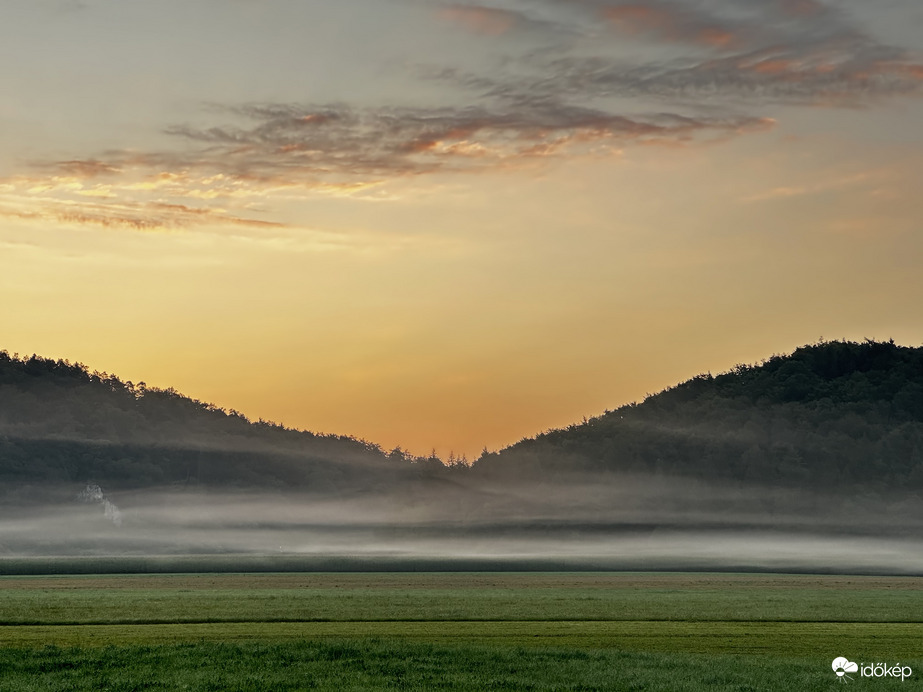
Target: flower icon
column 841, row 666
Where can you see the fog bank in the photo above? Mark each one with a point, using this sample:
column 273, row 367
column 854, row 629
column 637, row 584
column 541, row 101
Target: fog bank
column 630, row 523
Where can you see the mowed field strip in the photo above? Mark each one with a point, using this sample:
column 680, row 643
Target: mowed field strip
column 776, row 615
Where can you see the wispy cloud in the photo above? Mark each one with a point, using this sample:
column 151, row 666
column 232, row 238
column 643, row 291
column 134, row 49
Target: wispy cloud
column 276, row 150
column 482, row 20
column 802, row 52
column 312, row 143
column 802, row 8
column 671, row 23
column 140, row 216
column 817, row 186
column 727, row 60
column 846, row 72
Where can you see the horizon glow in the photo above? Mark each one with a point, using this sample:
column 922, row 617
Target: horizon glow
column 450, row 225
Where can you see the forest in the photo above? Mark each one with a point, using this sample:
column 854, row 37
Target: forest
column 829, row 416
column 62, row 423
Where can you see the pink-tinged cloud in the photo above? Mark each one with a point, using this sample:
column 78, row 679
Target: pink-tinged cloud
column 378, row 144
column 821, row 75
column 777, row 66
column 843, row 70
column 480, row 20
column 137, row 216
column 85, row 168
column 856, row 181
column 890, row 68
column 670, row 23
column 287, row 150
column 131, row 197
column 802, row 8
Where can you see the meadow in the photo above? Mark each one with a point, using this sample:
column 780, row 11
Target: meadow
column 452, row 630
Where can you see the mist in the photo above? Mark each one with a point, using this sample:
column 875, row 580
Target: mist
column 630, row 522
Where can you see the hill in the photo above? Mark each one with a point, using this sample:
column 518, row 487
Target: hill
column 828, row 417
column 827, row 440
column 62, row 423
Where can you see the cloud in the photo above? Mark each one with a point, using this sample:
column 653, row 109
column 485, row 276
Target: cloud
column 800, row 52
column 670, row 23
column 279, row 150
column 127, row 191
column 836, row 73
column 139, row 216
column 839, row 72
column 89, row 168
column 818, row 186
column 802, row 8
column 283, row 151
column 481, row 20
column 727, row 59
column 342, row 142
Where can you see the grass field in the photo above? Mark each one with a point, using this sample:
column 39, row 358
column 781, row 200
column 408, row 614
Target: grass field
column 454, row 631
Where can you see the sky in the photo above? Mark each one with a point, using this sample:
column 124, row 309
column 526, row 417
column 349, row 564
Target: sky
column 450, row 225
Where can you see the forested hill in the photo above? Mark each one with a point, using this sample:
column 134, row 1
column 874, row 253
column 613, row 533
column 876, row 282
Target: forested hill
column 831, row 416
column 61, row 423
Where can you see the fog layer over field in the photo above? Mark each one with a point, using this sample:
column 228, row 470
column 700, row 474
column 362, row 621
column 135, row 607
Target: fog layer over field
column 624, row 523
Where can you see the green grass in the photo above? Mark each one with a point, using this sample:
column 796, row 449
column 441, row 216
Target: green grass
column 528, row 631
column 454, row 596
column 389, row 665
column 873, row 640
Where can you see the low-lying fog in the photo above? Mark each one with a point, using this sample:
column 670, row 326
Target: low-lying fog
column 635, row 523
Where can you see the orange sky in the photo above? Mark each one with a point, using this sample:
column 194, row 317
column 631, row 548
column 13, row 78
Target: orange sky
column 449, row 225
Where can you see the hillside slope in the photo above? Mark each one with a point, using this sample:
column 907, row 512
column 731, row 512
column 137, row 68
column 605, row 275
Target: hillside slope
column 61, row 423
column 830, row 416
